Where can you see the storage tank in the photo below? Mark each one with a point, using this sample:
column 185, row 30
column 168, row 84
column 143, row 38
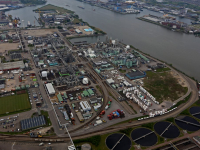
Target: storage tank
column 85, row 81
column 44, row 73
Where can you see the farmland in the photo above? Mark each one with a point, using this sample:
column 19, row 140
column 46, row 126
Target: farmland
column 14, row 104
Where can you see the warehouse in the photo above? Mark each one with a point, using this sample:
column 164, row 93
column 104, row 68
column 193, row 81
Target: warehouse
column 85, row 106
column 80, row 117
column 90, row 92
column 60, row 99
column 78, row 31
column 93, row 100
column 12, row 65
column 135, row 74
column 50, row 89
column 2, row 83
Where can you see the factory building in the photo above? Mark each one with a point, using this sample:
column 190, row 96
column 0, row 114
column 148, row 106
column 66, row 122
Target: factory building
column 78, row 31
column 50, row 89
column 135, row 74
column 12, row 65
column 85, row 106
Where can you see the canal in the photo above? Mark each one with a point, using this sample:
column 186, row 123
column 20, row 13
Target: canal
column 181, row 50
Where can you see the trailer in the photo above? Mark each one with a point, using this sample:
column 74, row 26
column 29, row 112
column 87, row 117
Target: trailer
column 80, row 117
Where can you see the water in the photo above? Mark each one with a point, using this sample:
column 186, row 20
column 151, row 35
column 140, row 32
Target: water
column 187, row 126
column 195, row 111
column 124, row 143
column 179, row 49
column 25, row 14
column 148, row 140
column 167, row 130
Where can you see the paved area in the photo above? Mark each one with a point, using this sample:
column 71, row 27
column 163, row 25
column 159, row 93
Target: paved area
column 31, row 146
column 40, row 32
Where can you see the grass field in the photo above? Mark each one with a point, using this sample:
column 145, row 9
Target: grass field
column 15, row 103
column 163, row 86
column 57, row 9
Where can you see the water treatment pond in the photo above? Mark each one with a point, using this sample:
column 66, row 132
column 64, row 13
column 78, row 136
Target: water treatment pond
column 144, row 137
column 118, row 141
column 187, row 123
column 167, row 129
column 195, row 111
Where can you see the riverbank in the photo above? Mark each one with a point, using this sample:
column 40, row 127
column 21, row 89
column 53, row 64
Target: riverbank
column 171, row 26
column 120, row 12
column 68, row 21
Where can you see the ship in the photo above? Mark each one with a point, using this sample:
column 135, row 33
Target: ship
column 29, row 24
column 81, row 7
column 195, row 22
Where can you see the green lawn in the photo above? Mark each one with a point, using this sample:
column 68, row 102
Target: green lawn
column 163, row 86
column 162, row 69
column 57, row 9
column 15, row 103
column 75, row 21
column 122, row 71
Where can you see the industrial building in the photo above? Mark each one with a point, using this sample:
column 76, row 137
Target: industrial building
column 50, row 89
column 65, row 115
column 2, row 83
column 78, row 31
column 126, row 60
column 80, row 117
column 60, row 99
column 12, row 65
column 32, row 122
column 85, row 106
column 135, row 74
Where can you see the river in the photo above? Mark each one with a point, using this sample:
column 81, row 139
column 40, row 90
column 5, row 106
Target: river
column 181, row 50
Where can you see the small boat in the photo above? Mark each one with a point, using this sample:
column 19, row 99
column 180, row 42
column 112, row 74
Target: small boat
column 68, row 5
column 81, row 7
column 93, row 9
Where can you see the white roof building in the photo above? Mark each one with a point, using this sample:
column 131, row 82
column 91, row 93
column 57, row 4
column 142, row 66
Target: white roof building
column 50, row 88
column 110, row 81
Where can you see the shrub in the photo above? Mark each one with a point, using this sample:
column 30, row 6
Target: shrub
column 126, row 131
column 95, row 140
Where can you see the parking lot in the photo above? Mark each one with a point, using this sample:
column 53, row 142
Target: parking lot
column 35, row 97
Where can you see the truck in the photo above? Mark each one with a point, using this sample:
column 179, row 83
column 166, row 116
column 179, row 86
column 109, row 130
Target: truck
column 116, row 114
column 35, row 135
column 109, row 103
column 98, row 122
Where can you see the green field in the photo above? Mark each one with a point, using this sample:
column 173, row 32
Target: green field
column 163, row 86
column 57, row 9
column 14, row 104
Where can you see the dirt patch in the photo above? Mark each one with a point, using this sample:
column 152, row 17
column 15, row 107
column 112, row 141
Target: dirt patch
column 8, row 46
column 41, row 32
column 83, row 31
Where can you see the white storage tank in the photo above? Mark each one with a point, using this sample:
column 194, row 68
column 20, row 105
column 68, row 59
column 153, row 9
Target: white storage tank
column 44, row 73
column 85, row 81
